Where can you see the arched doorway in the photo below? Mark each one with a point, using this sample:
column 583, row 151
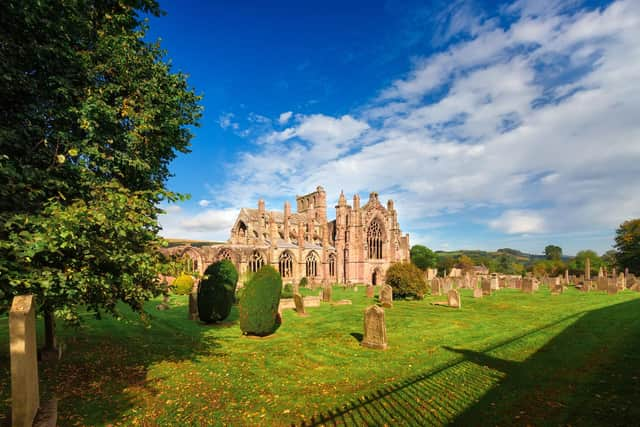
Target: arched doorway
column 374, row 278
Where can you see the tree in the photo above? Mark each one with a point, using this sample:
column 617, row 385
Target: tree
column 423, row 257
column 445, row 264
column 577, row 264
column 90, row 120
column 553, row 252
column 609, row 259
column 628, row 245
column 406, row 280
column 465, row 263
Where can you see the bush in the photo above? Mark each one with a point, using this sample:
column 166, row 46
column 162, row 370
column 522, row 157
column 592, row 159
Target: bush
column 407, row 280
column 287, row 292
column 216, row 291
column 304, row 282
column 259, row 303
column 182, row 285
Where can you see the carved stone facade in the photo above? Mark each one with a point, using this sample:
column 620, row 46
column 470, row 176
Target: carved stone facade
column 357, row 247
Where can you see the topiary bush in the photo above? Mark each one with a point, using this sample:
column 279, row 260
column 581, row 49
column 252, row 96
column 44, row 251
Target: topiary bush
column 216, row 292
column 304, row 282
column 259, row 303
column 182, row 285
column 287, row 292
column 406, row 280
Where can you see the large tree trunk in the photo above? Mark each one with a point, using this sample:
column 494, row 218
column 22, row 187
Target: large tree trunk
column 50, row 343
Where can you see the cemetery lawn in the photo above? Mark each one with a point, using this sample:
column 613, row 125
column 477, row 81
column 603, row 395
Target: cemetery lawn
column 507, row 359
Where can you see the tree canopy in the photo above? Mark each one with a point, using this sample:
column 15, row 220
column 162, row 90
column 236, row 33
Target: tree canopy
column 628, row 245
column 90, row 120
column 423, row 257
column 553, row 252
column 577, row 264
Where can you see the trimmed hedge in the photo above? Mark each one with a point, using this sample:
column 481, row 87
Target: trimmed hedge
column 216, row 291
column 182, row 285
column 406, row 280
column 304, row 282
column 259, row 303
column 287, row 292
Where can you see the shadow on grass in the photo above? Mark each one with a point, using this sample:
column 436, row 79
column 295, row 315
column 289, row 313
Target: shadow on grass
column 358, row 336
column 588, row 374
column 103, row 372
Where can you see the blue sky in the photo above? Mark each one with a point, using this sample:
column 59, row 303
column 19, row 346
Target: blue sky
column 489, row 124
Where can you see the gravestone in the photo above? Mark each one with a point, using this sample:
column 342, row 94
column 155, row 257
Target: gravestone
column 25, row 390
column 486, row 287
column 454, row 299
column 586, row 285
column 477, row 293
column 386, row 296
column 193, row 304
column 587, row 269
column 299, row 302
column 612, row 287
column 375, row 330
column 603, row 283
column 557, row 289
column 326, row 294
column 436, row 288
column 622, row 282
column 566, row 277
column 446, row 285
column 527, row 285
column 370, row 291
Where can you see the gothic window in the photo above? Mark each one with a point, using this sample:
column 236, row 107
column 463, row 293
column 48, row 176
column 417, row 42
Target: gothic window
column 256, row 261
column 242, row 229
column 374, row 240
column 225, row 254
column 312, row 265
column 285, row 264
column 332, row 265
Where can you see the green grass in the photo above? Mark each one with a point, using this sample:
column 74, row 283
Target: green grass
column 506, row 359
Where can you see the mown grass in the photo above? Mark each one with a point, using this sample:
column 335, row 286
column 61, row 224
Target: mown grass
column 507, row 359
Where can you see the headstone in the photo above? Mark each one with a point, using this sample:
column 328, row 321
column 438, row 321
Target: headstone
column 612, row 288
column 454, row 299
column 370, row 291
column 477, row 293
column 586, row 286
column 299, row 302
column 603, row 283
column 193, row 305
column 436, row 287
column 527, row 285
column 566, row 277
column 386, row 296
column 587, row 269
column 557, row 289
column 446, row 285
column 326, row 294
column 600, row 272
column 622, row 282
column 375, row 331
column 486, row 287
column 495, row 284
column 25, row 391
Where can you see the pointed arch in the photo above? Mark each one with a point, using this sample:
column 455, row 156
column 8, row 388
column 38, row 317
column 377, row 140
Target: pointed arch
column 375, row 239
column 285, row 264
column 312, row 264
column 256, row 261
column 332, row 265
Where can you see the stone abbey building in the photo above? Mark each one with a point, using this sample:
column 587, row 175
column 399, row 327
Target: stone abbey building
column 357, row 247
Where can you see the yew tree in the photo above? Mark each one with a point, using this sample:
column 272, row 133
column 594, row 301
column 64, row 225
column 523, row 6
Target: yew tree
column 91, row 115
column 628, row 245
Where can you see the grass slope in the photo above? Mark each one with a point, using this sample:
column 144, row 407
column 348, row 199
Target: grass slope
column 506, row 359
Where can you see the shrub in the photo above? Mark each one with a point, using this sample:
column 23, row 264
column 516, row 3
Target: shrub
column 216, row 291
column 304, row 282
column 407, row 280
column 259, row 303
column 182, row 285
column 287, row 292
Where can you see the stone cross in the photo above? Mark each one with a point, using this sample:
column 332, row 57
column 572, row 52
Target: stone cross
column 299, row 302
column 386, row 296
column 25, row 390
column 370, row 291
column 454, row 299
column 375, row 330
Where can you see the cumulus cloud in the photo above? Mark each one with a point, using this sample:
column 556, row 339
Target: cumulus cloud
column 212, row 224
column 535, row 125
column 284, row 117
column 204, row 203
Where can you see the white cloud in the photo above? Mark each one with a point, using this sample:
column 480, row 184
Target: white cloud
column 537, row 125
column 204, row 203
column 284, row 117
column 212, row 224
column 518, row 222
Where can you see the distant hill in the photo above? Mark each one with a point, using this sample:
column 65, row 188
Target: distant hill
column 477, row 255
column 195, row 243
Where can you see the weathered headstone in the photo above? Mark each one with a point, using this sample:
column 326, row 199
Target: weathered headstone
column 527, row 285
column 477, row 293
column 566, row 277
column 371, row 290
column 557, row 289
column 25, row 390
column 587, row 269
column 326, row 294
column 454, row 299
column 436, row 287
column 486, row 287
column 375, row 330
column 193, row 304
column 612, row 288
column 603, row 283
column 622, row 282
column 299, row 302
column 386, row 296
